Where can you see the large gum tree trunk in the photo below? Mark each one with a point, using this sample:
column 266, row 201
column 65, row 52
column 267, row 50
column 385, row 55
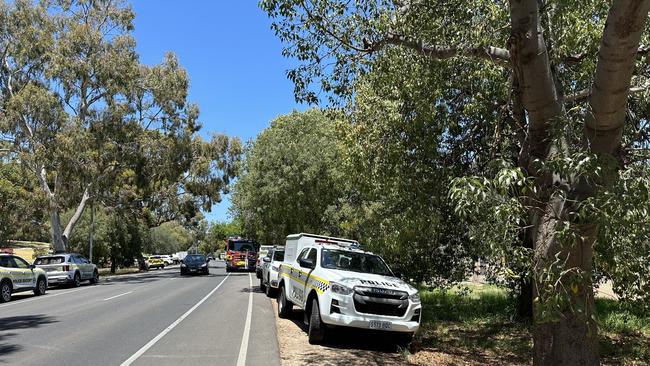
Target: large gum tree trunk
column 569, row 335
column 56, row 230
column 565, row 332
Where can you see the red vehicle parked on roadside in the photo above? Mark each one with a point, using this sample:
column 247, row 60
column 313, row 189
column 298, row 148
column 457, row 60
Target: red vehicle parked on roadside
column 241, row 254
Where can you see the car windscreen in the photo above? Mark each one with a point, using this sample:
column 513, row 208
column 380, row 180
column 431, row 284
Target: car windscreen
column 354, row 262
column 194, row 259
column 278, row 255
column 242, row 246
column 49, row 260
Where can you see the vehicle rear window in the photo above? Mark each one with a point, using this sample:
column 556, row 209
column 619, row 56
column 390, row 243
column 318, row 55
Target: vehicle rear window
column 242, row 246
column 49, row 260
column 278, row 256
column 194, row 258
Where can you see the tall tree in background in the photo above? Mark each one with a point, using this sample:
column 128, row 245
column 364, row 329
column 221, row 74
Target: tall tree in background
column 290, row 178
column 92, row 123
column 568, row 69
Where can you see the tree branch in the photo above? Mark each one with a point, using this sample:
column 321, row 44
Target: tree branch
column 77, row 214
column 530, row 62
column 583, row 94
column 616, row 58
column 497, row 55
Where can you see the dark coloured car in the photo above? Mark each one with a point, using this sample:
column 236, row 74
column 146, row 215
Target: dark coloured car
column 194, row 264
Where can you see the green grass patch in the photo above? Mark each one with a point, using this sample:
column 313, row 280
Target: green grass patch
column 478, row 324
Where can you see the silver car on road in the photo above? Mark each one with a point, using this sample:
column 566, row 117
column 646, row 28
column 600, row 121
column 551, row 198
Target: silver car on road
column 67, row 269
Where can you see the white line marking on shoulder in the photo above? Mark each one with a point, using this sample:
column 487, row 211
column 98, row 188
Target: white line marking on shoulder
column 243, row 349
column 152, row 342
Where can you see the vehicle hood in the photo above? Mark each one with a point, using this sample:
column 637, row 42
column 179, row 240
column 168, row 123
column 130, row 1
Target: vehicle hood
column 352, row 279
column 195, row 264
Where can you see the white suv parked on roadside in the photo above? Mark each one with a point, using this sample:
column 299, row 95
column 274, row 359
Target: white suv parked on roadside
column 337, row 284
column 67, row 269
column 270, row 271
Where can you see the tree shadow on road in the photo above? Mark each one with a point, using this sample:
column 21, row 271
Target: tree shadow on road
column 9, row 324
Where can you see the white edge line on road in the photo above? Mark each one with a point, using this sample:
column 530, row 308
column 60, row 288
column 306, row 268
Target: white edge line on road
column 152, row 342
column 46, row 296
column 116, row 296
column 243, row 349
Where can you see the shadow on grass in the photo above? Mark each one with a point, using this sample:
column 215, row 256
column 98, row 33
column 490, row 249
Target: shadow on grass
column 481, row 328
column 478, row 327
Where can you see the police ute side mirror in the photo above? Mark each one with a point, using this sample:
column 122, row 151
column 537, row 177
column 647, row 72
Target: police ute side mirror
column 306, row 263
column 32, row 266
column 266, row 259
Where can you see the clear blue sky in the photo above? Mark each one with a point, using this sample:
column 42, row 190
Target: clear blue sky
column 237, row 72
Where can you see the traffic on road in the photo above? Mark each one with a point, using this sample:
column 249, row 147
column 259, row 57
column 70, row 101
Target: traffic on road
column 220, row 317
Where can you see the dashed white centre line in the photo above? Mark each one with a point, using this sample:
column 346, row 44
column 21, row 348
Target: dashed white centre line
column 116, row 296
column 243, row 349
column 173, row 325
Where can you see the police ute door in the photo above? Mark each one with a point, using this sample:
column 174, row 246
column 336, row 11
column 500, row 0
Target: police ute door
column 307, row 264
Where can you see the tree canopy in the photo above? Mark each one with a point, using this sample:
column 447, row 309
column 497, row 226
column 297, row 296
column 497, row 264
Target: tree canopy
column 539, row 107
column 92, row 124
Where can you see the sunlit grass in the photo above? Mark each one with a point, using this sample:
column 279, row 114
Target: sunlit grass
column 479, row 323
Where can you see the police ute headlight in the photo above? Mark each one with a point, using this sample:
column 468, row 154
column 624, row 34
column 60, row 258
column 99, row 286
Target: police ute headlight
column 275, row 268
column 183, row 265
column 415, row 298
column 204, row 265
column 337, row 288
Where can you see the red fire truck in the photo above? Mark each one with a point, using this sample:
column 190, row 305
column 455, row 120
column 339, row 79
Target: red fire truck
column 241, row 254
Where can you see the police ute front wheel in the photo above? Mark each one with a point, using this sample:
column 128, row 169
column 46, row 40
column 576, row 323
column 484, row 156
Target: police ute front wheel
column 262, row 287
column 316, row 326
column 284, row 306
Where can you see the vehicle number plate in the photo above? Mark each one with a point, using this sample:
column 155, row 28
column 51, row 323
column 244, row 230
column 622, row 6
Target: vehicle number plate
column 377, row 324
column 192, row 270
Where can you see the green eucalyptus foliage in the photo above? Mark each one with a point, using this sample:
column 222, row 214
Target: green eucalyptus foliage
column 461, row 118
column 290, row 181
column 21, row 217
column 81, row 112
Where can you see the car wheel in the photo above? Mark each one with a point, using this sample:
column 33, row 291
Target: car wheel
column 316, row 326
column 76, row 280
column 41, row 287
column 262, row 287
column 284, row 305
column 5, row 291
column 162, row 267
column 270, row 291
column 95, row 278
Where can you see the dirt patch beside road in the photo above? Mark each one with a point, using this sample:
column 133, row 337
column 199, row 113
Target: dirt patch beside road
column 344, row 348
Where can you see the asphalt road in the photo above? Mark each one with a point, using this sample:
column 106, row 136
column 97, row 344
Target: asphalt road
column 154, row 318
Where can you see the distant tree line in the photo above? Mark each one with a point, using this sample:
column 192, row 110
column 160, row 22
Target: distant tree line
column 88, row 133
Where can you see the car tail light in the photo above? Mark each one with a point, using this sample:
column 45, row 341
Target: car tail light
column 65, row 268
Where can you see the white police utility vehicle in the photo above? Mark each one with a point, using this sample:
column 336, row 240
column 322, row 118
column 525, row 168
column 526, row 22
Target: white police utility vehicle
column 338, row 284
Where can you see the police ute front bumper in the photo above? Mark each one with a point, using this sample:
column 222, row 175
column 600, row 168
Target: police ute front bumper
column 358, row 310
